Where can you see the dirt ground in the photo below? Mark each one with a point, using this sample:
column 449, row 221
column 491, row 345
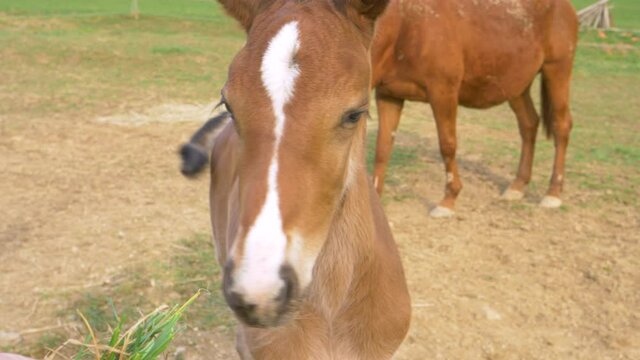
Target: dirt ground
column 83, row 199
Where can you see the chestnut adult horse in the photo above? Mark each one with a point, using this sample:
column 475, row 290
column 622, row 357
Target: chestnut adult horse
column 311, row 269
column 478, row 54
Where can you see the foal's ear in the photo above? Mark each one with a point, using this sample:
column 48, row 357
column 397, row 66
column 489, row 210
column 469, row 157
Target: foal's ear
column 369, row 9
column 242, row 10
column 195, row 153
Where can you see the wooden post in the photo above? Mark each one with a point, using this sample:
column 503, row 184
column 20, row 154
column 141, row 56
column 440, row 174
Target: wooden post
column 596, row 16
column 135, row 11
column 607, row 18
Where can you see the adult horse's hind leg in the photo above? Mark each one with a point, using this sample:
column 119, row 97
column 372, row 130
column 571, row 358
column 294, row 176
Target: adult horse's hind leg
column 389, row 110
column 528, row 122
column 444, row 103
column 556, row 80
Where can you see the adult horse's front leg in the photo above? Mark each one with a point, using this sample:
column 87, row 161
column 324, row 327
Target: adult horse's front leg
column 444, row 103
column 389, row 110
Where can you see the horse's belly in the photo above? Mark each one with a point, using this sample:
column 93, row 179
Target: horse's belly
column 400, row 89
column 483, row 93
column 487, row 90
column 494, row 75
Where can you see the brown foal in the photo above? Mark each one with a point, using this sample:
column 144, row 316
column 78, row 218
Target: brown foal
column 477, row 54
column 311, row 269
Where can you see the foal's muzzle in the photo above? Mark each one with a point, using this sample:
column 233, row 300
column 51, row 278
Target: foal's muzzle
column 268, row 311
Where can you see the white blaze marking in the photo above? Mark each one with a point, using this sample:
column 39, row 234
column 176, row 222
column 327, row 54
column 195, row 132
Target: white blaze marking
column 266, row 241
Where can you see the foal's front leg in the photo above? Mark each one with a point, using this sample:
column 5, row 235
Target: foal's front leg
column 444, row 103
column 241, row 345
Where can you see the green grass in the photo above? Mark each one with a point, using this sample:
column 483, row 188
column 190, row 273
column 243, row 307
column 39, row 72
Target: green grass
column 146, row 339
column 101, row 60
column 613, row 55
column 401, row 157
column 626, row 13
column 604, row 152
column 183, row 9
column 193, row 267
column 55, row 8
column 50, row 340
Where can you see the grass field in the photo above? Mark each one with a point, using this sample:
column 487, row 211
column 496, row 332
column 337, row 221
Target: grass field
column 158, row 55
column 205, row 10
column 66, row 63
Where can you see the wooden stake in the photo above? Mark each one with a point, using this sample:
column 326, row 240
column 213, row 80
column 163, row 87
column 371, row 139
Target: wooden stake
column 135, row 11
column 596, row 16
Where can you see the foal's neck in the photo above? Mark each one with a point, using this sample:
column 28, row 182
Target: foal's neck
column 348, row 251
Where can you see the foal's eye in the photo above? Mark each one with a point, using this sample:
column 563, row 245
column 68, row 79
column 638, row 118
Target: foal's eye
column 225, row 103
column 227, row 107
column 351, row 118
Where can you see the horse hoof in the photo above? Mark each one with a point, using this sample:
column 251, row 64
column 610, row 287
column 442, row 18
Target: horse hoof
column 550, row 202
column 512, row 195
column 441, row 212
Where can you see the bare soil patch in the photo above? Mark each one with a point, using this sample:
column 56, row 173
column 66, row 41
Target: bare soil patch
column 171, row 113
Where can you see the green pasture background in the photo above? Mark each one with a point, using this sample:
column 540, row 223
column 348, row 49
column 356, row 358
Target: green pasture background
column 626, row 12
column 83, row 56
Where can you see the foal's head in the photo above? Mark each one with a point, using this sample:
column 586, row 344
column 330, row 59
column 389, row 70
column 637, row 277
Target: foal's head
column 297, row 91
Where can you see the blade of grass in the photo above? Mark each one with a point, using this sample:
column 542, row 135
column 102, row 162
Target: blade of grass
column 93, row 335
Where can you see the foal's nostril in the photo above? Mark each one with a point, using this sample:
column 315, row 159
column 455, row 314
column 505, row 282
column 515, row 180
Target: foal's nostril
column 244, row 310
column 289, row 290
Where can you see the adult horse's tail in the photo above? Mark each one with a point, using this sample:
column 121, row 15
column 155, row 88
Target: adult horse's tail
column 195, row 153
column 547, row 107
